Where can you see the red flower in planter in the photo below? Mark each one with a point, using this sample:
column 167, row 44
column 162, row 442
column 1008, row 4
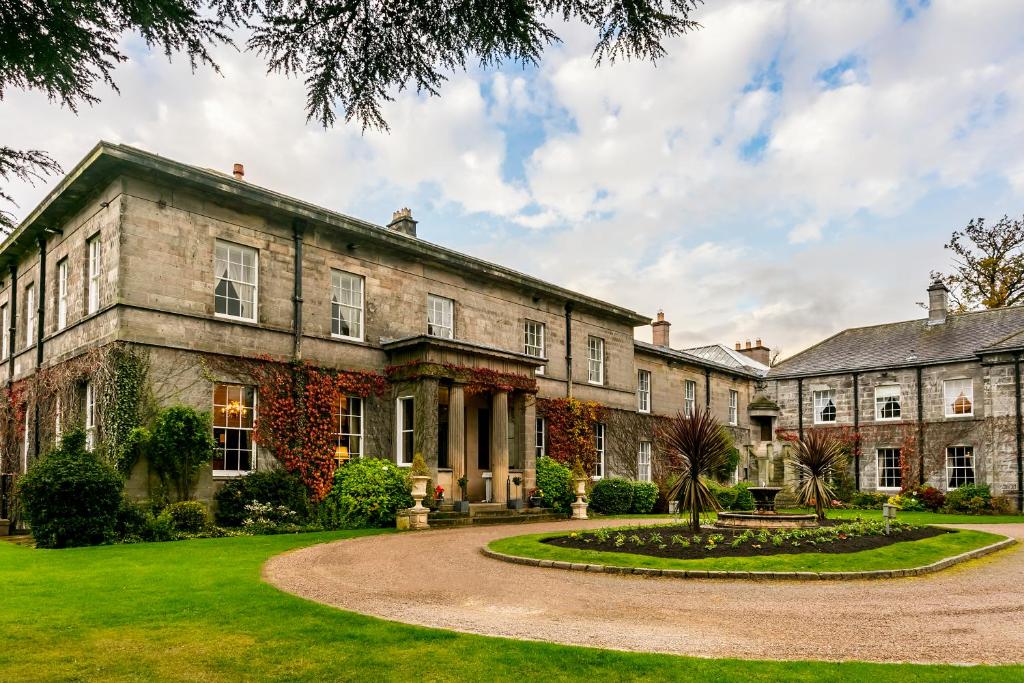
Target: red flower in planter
column 439, row 492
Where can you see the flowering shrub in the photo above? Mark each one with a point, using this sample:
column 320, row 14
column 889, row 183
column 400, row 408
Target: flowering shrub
column 366, row 493
column 907, row 502
column 263, row 518
column 274, row 487
column 570, row 424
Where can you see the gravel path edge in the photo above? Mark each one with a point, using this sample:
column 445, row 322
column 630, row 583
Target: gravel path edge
column 936, row 566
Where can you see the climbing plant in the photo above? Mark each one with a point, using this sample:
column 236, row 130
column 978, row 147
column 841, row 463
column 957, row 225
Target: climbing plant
column 570, row 424
column 296, row 420
column 476, row 380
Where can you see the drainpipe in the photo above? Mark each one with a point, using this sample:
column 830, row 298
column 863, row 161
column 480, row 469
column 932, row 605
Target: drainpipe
column 568, row 349
column 856, row 430
column 707, row 390
column 1020, row 436
column 12, row 330
column 920, row 426
column 298, row 231
column 40, row 326
column 800, row 407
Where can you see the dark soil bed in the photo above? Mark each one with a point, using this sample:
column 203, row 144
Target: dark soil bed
column 851, row 544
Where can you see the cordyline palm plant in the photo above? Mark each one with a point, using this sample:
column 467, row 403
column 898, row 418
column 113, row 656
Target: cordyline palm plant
column 816, row 458
column 700, row 446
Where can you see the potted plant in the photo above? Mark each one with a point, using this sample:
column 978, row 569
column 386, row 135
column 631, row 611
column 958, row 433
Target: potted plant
column 438, row 495
column 463, row 505
column 536, row 498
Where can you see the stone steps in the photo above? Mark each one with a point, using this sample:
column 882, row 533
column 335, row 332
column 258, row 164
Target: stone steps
column 439, row 520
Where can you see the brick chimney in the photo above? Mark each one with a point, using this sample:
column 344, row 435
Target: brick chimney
column 938, row 303
column 660, row 328
column 238, row 171
column 757, row 351
column 402, row 221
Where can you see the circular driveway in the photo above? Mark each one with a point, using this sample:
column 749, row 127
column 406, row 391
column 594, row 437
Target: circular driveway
column 972, row 613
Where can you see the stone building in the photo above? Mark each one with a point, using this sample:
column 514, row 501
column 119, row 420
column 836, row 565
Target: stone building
column 203, row 272
column 934, row 401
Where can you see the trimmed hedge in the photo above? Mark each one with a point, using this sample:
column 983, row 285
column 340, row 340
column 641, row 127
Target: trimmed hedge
column 70, row 497
column 367, row 493
column 555, row 481
column 612, row 496
column 645, row 496
column 188, row 516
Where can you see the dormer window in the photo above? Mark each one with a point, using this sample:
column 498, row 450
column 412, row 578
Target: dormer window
column 824, row 406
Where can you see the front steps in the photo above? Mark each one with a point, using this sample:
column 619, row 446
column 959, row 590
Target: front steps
column 490, row 513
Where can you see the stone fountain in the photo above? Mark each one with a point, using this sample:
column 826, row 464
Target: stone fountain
column 764, row 515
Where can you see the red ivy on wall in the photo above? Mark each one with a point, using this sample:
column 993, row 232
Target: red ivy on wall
column 477, row 380
column 570, row 425
column 296, row 419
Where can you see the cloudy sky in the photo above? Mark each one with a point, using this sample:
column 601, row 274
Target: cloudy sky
column 791, row 169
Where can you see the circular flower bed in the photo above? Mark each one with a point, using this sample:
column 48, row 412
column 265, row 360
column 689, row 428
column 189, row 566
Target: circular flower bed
column 678, row 542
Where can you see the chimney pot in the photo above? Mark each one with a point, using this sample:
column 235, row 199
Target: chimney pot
column 238, row 171
column 739, row 346
column 402, row 221
column 748, row 343
column 759, row 353
column 938, row 303
column 757, row 343
column 660, row 330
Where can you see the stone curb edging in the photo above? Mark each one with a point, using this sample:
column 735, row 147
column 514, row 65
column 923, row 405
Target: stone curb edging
column 939, row 565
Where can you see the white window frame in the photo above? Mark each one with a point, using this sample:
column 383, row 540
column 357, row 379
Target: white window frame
column 239, row 428
column 882, row 395
column 30, row 313
column 338, row 279
column 90, row 415
column 821, row 400
column 95, row 255
column 62, row 294
column 533, row 342
column 5, row 343
column 443, row 308
column 541, row 444
column 972, row 466
column 734, row 407
column 599, row 447
column 643, row 391
column 400, row 407
column 344, row 420
column 881, row 469
column 595, row 360
column 950, row 386
column 689, row 397
column 643, row 461
column 255, row 284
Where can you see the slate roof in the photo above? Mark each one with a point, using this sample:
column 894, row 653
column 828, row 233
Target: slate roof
column 723, row 355
column 685, row 356
column 913, row 342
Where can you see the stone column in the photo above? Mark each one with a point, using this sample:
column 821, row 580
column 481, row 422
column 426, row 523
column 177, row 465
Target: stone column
column 499, row 446
column 457, row 437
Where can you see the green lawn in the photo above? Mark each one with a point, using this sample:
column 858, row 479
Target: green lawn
column 904, row 555
column 912, row 517
column 197, row 610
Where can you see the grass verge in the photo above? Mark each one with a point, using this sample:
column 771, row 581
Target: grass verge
column 905, row 555
column 197, row 610
column 911, row 517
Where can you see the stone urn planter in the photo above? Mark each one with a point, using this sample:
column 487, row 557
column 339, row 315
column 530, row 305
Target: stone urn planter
column 579, row 508
column 418, row 513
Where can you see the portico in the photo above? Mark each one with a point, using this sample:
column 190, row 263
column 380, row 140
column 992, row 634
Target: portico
column 473, row 415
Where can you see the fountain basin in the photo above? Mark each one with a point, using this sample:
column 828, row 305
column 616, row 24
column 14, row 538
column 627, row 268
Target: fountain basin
column 765, row 520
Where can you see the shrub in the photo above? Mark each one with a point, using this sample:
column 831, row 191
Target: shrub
column 962, row 499
column 274, row 487
column 866, row 500
column 161, row 528
column 366, row 493
column 645, row 495
column 932, row 498
column 180, row 446
column 188, row 516
column 263, row 518
column 728, row 467
column 71, row 498
column 744, row 499
column 133, row 522
column 907, row 502
column 725, row 495
column 612, row 496
column 555, row 482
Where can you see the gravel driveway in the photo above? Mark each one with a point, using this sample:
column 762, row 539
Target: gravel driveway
column 972, row 613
